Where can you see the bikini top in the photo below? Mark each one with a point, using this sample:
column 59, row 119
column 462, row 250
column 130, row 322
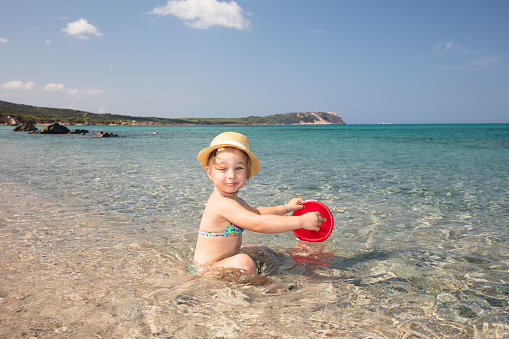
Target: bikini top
column 231, row 231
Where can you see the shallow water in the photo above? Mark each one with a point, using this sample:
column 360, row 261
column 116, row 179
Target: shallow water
column 96, row 233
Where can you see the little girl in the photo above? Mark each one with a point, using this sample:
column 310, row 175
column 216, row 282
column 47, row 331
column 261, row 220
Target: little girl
column 229, row 163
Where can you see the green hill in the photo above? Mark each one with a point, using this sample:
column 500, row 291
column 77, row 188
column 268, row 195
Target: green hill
column 15, row 114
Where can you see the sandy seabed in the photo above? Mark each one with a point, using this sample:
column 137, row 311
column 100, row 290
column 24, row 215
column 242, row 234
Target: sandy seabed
column 63, row 275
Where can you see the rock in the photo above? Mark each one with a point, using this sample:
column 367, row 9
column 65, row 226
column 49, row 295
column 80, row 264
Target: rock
column 78, row 131
column 25, row 128
column 107, row 135
column 11, row 121
column 331, row 118
column 55, row 128
column 320, row 118
column 308, row 118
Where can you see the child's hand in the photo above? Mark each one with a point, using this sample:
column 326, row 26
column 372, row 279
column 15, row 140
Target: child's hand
column 311, row 221
column 294, row 204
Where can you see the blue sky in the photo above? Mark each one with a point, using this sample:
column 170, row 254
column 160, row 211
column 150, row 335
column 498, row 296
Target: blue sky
column 421, row 61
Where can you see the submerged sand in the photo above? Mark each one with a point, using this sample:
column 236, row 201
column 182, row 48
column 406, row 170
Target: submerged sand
column 64, row 275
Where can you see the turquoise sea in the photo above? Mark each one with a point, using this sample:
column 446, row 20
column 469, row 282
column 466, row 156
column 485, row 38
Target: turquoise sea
column 96, row 234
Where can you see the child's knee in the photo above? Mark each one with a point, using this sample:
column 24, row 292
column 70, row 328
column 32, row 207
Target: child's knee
column 240, row 261
column 245, row 262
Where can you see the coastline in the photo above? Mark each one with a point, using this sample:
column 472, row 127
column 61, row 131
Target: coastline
column 16, row 114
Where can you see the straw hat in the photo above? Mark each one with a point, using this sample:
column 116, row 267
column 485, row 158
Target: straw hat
column 230, row 139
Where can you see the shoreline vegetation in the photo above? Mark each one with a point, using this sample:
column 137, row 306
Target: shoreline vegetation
column 12, row 114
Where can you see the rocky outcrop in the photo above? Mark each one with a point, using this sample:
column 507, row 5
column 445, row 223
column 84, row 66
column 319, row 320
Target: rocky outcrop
column 8, row 120
column 55, row 128
column 25, row 128
column 79, row 131
column 327, row 118
column 107, row 135
column 310, row 118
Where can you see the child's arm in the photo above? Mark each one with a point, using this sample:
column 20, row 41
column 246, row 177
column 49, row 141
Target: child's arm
column 292, row 205
column 267, row 223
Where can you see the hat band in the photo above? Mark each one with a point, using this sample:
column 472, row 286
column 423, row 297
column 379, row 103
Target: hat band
column 234, row 143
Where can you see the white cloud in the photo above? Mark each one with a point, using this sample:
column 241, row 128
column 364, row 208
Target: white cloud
column 47, row 42
column 102, row 109
column 81, row 29
column 486, row 61
column 92, row 91
column 456, row 55
column 3, row 40
column 16, row 84
column 205, row 13
column 52, row 87
column 455, row 47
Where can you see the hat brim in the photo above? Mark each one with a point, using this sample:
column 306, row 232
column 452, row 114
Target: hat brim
column 203, row 156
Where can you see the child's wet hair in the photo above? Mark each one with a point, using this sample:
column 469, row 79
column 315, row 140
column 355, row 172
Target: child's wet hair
column 213, row 155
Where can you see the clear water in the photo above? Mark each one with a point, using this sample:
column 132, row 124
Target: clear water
column 96, row 233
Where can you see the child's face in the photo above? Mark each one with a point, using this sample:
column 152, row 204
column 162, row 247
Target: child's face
column 229, row 172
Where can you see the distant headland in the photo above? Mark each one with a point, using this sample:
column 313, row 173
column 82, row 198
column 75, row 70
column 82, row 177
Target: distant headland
column 15, row 114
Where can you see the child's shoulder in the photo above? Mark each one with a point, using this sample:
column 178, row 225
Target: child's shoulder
column 216, row 201
column 219, row 206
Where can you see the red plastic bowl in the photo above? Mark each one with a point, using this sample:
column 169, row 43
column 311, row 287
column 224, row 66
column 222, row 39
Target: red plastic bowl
column 326, row 226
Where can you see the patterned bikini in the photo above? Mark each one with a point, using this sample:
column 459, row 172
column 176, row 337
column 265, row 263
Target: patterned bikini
column 230, row 231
